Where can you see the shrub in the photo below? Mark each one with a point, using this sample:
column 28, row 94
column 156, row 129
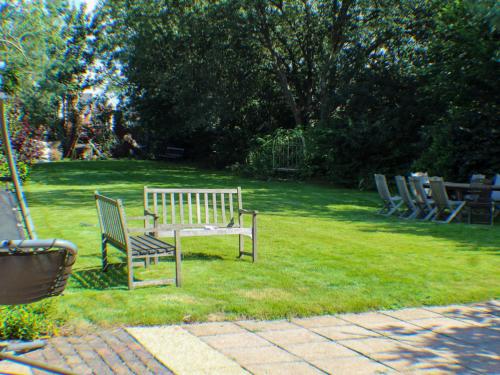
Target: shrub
column 28, row 322
column 22, row 168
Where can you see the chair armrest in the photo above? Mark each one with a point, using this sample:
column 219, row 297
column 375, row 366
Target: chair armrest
column 248, row 212
column 140, row 230
column 149, row 213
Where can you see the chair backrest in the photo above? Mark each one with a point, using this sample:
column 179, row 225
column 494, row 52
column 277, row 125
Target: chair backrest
column 495, row 195
column 439, row 193
column 417, row 188
column 194, row 207
column 112, row 220
column 477, row 178
column 404, row 193
column 382, row 188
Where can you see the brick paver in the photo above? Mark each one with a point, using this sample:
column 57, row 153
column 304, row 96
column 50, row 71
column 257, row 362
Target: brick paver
column 443, row 340
column 108, row 352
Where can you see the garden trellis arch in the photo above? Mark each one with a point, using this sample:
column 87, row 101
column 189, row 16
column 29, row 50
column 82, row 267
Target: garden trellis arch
column 288, row 151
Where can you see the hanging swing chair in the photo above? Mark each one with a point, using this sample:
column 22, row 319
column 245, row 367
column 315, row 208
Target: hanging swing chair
column 289, row 152
column 31, row 269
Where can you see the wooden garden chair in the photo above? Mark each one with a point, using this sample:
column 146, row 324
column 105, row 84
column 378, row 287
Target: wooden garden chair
column 446, row 208
column 424, row 203
column 144, row 247
column 481, row 208
column 412, row 210
column 391, row 203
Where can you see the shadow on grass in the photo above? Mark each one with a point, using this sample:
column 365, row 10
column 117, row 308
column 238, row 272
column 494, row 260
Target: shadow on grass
column 468, row 345
column 115, row 276
column 74, row 181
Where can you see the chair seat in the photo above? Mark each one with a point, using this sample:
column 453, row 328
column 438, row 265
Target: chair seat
column 148, row 245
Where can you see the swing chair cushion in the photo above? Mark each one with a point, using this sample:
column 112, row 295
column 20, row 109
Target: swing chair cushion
column 45, row 272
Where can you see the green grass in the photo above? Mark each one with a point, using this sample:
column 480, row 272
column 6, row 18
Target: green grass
column 322, row 250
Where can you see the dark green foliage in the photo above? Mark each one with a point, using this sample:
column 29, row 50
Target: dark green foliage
column 378, row 86
column 461, row 88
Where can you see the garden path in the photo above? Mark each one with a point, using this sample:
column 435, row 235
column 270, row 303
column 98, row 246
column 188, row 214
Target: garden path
column 444, row 339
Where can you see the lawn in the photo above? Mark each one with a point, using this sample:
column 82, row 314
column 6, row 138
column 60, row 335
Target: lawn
column 321, row 250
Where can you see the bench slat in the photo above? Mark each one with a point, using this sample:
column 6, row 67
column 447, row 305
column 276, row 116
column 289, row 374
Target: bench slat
column 172, row 207
column 214, row 204
column 198, row 209
column 181, row 207
column 223, row 208
column 207, row 218
column 190, row 209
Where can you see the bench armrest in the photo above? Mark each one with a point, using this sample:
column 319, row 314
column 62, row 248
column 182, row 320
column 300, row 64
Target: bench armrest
column 248, row 212
column 137, row 217
column 149, row 213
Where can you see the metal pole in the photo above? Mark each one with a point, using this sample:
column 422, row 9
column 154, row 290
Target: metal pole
column 9, row 155
column 36, row 364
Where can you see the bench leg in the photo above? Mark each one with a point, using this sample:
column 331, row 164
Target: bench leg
column 254, row 239
column 242, row 245
column 104, row 250
column 147, row 262
column 130, row 272
column 178, row 258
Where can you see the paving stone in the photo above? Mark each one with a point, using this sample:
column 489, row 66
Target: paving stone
column 208, row 329
column 414, row 360
column 320, row 321
column 351, row 366
column 256, row 325
column 291, row 336
column 318, row 350
column 369, row 320
column 412, row 314
column 260, row 355
column 485, row 364
column 375, row 345
column 290, row 368
column 235, row 340
column 183, row 352
column 442, row 325
column 344, row 332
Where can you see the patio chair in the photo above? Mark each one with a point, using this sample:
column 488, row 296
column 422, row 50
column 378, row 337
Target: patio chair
column 482, row 207
column 412, row 210
column 424, row 203
column 142, row 248
column 475, row 179
column 446, row 208
column 495, row 195
column 391, row 203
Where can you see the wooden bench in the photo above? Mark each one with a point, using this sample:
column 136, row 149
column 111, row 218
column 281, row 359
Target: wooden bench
column 200, row 212
column 173, row 153
column 144, row 247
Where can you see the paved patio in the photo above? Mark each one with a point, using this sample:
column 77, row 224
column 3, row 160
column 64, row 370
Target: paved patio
column 451, row 339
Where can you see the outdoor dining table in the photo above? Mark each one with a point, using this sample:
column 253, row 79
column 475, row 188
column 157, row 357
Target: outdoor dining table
column 460, row 189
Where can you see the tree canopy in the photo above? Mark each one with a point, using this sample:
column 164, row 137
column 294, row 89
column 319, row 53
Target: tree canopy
column 373, row 85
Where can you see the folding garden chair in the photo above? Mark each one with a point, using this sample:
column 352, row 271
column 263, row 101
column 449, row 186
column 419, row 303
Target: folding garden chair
column 424, row 203
column 446, row 208
column 391, row 203
column 412, row 210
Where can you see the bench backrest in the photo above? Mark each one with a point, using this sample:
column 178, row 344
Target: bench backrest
column 112, row 220
column 194, row 207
